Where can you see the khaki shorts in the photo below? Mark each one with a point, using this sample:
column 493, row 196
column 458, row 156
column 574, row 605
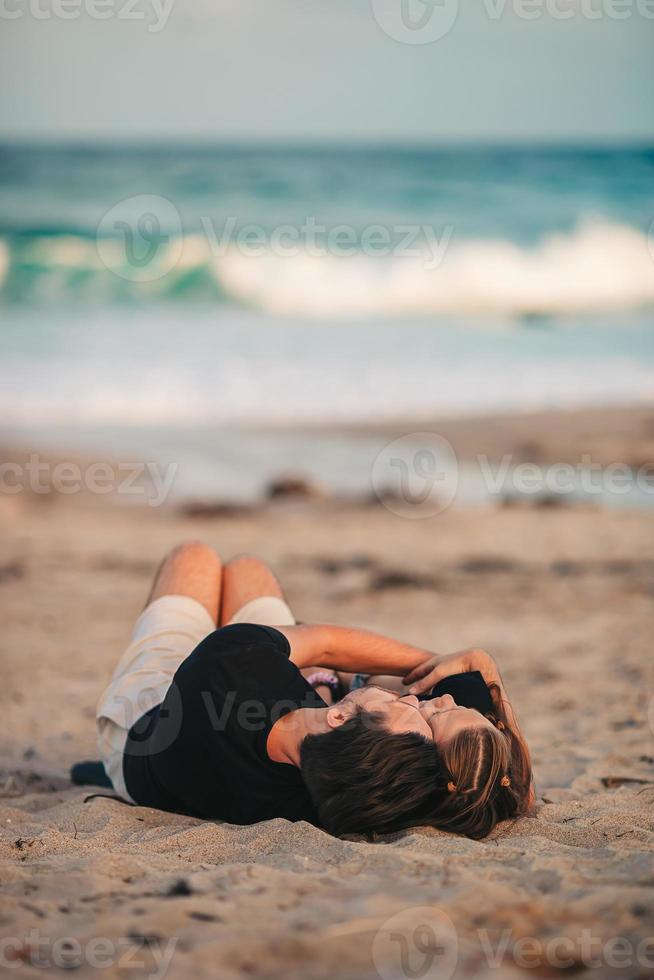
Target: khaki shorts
column 166, row 632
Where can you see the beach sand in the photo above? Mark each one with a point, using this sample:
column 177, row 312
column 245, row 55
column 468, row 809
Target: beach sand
column 563, row 596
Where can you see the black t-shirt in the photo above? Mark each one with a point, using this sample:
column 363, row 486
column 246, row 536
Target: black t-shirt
column 203, row 750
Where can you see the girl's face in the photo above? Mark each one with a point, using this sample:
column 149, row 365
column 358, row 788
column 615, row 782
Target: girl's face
column 446, row 718
column 438, row 720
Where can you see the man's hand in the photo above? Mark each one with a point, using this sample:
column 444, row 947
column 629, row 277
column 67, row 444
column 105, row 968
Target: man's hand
column 426, row 675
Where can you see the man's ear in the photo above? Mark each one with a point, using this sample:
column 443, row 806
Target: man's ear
column 339, row 713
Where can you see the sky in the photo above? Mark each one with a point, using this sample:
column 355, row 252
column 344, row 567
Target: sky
column 327, row 70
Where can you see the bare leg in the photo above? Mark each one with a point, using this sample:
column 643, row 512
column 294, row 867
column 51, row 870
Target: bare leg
column 248, row 578
column 192, row 569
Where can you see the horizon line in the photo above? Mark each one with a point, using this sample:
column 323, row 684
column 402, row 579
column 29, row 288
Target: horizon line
column 323, row 143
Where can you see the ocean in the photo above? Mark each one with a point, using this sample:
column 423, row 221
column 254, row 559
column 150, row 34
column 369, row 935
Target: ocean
column 156, row 296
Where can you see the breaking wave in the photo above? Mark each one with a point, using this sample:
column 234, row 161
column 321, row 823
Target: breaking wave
column 600, row 266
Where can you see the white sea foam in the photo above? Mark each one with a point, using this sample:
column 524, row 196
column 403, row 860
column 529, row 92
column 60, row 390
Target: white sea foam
column 601, row 266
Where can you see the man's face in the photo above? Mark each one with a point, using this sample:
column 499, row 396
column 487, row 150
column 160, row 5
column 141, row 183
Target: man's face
column 438, row 719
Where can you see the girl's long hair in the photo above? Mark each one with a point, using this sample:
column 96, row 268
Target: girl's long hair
column 488, row 774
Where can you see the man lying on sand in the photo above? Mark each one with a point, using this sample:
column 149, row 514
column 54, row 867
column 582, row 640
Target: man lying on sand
column 221, row 723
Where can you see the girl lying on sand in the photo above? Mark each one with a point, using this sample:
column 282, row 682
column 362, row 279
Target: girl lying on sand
column 223, row 723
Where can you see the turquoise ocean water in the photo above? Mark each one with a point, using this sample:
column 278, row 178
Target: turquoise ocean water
column 168, row 292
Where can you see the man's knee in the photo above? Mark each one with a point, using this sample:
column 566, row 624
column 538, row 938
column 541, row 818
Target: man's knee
column 194, row 553
column 252, row 574
column 191, row 569
column 247, row 565
column 247, row 578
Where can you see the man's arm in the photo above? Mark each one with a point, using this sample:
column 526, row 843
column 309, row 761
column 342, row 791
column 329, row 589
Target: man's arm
column 342, row 648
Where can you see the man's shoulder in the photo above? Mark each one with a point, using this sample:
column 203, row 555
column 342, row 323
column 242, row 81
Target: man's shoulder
column 238, row 639
column 251, row 634
column 244, row 660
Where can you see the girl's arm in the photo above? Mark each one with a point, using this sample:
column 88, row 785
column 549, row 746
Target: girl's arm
column 341, row 648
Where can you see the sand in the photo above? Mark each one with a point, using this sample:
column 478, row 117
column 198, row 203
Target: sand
column 561, row 595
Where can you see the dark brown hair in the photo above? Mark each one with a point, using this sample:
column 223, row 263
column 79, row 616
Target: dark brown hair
column 363, row 779
column 489, row 777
